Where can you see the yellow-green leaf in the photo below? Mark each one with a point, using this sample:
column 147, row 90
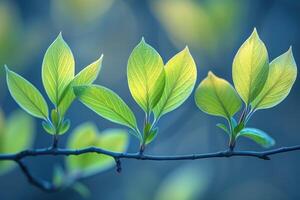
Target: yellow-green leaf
column 86, row 135
column 26, row 95
column 18, row 135
column 216, row 96
column 58, row 69
column 85, row 77
column 282, row 75
column 106, row 103
column 250, row 68
column 180, row 78
column 146, row 77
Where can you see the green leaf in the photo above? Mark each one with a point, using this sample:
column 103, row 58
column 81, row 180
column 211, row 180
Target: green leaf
column 216, row 96
column 82, row 190
column 26, row 95
column 250, row 68
column 181, row 74
column 64, row 127
column 223, row 127
column 48, row 127
column 282, row 75
column 186, row 182
column 152, row 135
column 15, row 139
column 258, row 136
column 106, row 103
column 146, row 77
column 86, row 135
column 57, row 69
column 85, row 77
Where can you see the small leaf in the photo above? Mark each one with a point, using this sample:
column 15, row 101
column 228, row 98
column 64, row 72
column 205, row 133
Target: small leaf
column 146, row 77
column 250, row 68
column 26, row 95
column 55, row 117
column 106, row 103
column 216, row 96
column 57, row 69
column 181, row 74
column 238, row 128
column 82, row 190
column 258, row 136
column 18, row 135
column 85, row 77
column 87, row 135
column 64, row 127
column 47, row 126
column 223, row 127
column 282, row 75
column 152, row 135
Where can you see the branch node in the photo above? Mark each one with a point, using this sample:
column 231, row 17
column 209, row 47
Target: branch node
column 118, row 165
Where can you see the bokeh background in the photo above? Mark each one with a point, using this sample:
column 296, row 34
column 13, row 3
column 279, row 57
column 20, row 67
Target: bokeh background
column 213, row 30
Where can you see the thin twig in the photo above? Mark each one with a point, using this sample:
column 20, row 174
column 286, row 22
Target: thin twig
column 48, row 186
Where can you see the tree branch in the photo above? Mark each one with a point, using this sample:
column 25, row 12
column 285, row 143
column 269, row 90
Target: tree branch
column 50, row 187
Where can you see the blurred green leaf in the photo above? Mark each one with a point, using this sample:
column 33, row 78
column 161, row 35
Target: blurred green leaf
column 258, row 136
column 85, row 77
column 250, row 68
column 146, row 77
column 282, row 75
column 86, row 135
column 180, row 75
column 209, row 23
column 82, row 190
column 185, row 183
column 216, row 96
column 14, row 139
column 58, row 69
column 106, row 103
column 26, row 95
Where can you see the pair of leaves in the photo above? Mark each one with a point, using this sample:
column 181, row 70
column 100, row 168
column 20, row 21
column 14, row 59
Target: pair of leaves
column 86, row 135
column 155, row 87
column 13, row 138
column 258, row 84
column 58, row 78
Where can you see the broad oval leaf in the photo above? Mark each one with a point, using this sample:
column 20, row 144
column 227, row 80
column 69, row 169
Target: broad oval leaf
column 58, row 69
column 250, row 68
column 85, row 77
column 181, row 74
column 26, row 95
column 86, row 135
column 258, row 136
column 106, row 103
column 146, row 77
column 282, row 75
column 216, row 96
column 14, row 139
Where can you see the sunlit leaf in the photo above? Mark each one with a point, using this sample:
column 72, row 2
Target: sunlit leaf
column 15, row 139
column 250, row 68
column 87, row 135
column 26, row 95
column 180, row 75
column 106, row 103
column 58, row 69
column 258, row 136
column 216, row 96
column 85, row 77
column 185, row 183
column 282, row 75
column 146, row 78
